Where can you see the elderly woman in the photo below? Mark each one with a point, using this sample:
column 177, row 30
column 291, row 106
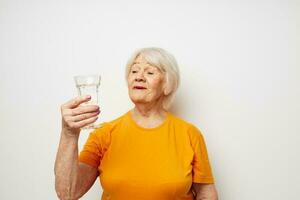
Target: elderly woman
column 147, row 153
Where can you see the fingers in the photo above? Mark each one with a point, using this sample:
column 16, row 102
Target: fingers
column 80, row 124
column 80, row 110
column 73, row 103
column 85, row 116
column 76, row 116
column 78, row 121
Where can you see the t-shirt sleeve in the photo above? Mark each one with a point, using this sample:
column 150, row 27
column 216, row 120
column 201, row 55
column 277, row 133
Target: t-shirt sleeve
column 95, row 146
column 202, row 172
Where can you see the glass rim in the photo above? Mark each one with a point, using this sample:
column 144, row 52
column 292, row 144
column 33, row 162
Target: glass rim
column 87, row 75
column 87, row 79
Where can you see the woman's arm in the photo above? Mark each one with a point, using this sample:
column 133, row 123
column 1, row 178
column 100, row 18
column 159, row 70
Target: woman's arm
column 72, row 178
column 205, row 191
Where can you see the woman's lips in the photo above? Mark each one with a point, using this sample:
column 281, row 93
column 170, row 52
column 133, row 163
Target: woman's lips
column 139, row 87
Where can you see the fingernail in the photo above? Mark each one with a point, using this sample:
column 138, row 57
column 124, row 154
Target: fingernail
column 88, row 96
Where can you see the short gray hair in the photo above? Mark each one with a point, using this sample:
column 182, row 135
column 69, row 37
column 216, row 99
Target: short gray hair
column 166, row 62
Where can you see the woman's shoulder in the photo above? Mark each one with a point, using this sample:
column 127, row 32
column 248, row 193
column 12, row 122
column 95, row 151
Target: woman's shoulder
column 188, row 126
column 180, row 121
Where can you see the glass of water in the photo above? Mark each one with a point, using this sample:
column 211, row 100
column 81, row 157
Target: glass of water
column 88, row 85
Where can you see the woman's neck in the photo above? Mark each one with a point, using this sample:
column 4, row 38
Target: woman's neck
column 148, row 116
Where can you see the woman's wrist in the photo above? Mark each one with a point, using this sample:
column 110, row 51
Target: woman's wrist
column 70, row 134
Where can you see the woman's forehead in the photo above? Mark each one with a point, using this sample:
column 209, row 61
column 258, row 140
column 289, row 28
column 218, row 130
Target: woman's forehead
column 145, row 66
column 141, row 60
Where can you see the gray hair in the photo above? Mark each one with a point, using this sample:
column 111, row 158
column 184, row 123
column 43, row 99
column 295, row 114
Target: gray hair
column 164, row 61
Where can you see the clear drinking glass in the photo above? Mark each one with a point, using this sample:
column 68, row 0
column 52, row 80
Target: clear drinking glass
column 88, row 85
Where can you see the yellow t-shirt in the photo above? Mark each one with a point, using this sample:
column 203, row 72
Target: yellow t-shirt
column 137, row 163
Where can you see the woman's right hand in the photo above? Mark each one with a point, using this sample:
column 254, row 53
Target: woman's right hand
column 75, row 116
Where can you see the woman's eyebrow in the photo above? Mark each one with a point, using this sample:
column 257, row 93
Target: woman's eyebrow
column 148, row 66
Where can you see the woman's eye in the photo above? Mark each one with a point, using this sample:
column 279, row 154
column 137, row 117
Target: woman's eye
column 151, row 73
column 133, row 71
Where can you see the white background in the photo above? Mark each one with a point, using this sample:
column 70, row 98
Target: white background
column 240, row 71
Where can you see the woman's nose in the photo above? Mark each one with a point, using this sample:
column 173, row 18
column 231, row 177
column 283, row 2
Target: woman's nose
column 139, row 77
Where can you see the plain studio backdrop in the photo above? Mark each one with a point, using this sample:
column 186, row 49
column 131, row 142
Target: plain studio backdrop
column 239, row 63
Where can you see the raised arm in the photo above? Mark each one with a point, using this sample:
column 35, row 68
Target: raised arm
column 72, row 178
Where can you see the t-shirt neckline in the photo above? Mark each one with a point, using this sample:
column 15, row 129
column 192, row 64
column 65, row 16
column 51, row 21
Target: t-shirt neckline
column 129, row 115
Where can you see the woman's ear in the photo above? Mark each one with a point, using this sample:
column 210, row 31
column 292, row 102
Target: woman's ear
column 167, row 86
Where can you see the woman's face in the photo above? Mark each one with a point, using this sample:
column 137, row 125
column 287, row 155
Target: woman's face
column 145, row 82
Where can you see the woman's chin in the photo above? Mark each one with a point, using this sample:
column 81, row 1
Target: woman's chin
column 137, row 100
